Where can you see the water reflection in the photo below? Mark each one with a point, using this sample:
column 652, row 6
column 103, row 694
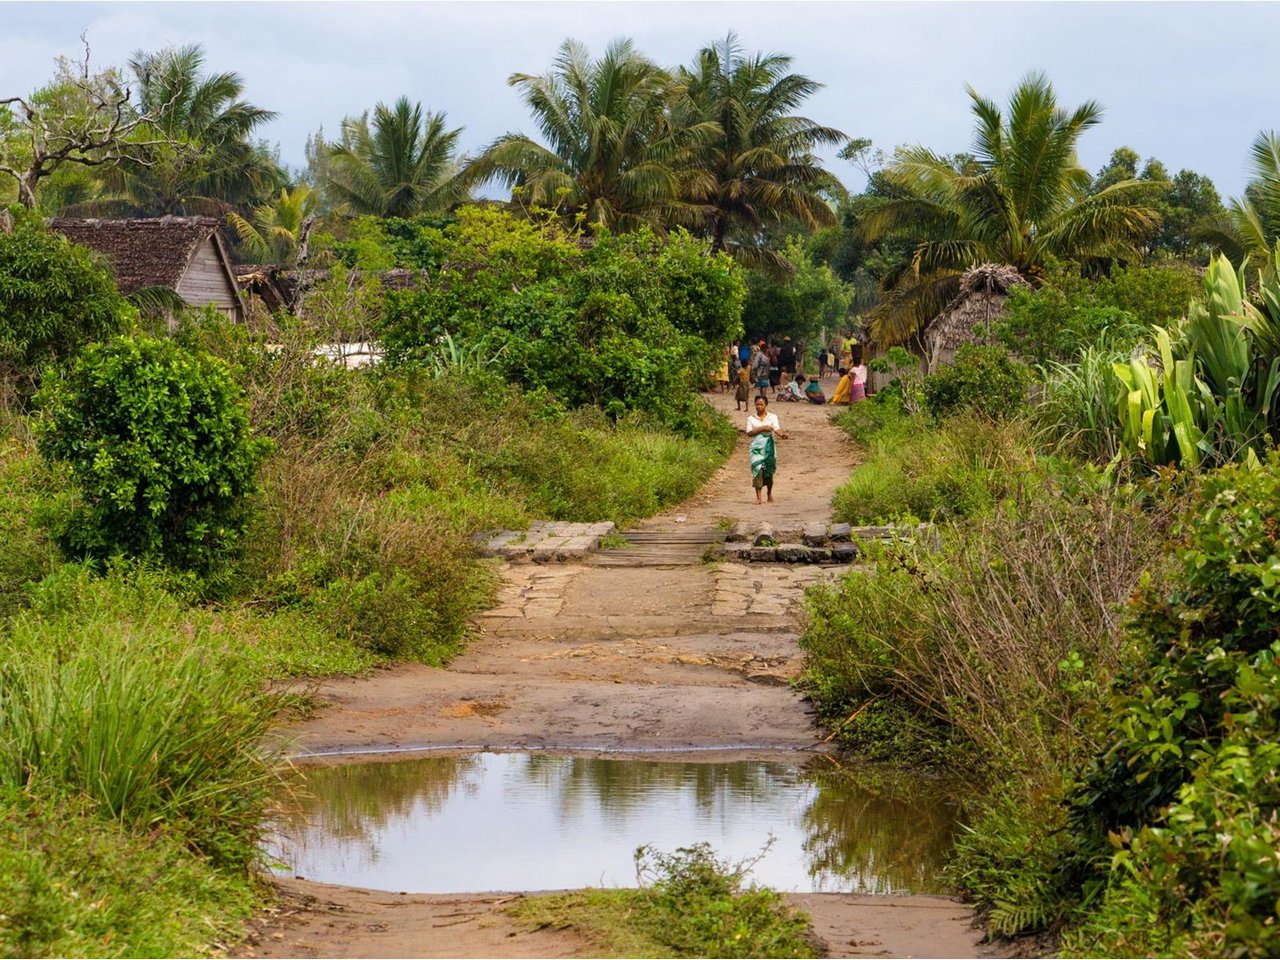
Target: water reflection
column 539, row 821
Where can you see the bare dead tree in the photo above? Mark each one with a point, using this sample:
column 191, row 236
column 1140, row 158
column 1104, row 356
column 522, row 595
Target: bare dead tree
column 93, row 123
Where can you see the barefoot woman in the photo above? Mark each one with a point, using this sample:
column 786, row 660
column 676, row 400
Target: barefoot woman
column 762, row 428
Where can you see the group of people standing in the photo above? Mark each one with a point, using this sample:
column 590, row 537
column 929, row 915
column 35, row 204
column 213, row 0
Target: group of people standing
column 764, row 365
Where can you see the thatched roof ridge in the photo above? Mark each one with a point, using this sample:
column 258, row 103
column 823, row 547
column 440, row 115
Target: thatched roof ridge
column 971, row 315
column 153, row 252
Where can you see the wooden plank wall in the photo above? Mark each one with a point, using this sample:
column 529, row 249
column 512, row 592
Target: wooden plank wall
column 207, row 282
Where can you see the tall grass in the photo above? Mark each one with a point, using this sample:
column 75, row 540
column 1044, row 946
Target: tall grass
column 1076, row 413
column 106, row 693
column 987, row 654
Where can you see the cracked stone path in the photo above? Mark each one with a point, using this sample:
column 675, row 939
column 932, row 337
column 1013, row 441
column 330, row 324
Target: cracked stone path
column 624, row 654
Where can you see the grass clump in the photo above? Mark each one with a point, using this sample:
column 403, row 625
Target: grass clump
column 104, row 696
column 693, row 904
column 914, row 471
column 985, row 654
column 76, row 883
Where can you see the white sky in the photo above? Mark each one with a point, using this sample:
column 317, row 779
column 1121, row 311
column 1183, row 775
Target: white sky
column 1190, row 83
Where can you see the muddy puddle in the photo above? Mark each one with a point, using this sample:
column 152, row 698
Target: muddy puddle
column 512, row 821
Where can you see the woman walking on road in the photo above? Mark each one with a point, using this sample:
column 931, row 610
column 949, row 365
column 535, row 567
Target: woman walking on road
column 762, row 428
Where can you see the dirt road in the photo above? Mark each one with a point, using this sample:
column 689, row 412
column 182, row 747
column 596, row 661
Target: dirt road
column 630, row 652
column 636, row 657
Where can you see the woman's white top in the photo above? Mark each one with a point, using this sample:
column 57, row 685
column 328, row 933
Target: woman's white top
column 770, row 419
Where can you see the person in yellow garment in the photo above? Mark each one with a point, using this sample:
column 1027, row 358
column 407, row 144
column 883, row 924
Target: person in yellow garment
column 843, row 389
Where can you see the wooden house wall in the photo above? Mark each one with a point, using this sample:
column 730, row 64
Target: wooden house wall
column 206, row 281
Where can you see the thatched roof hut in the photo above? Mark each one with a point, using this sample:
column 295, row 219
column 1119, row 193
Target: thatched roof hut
column 182, row 254
column 971, row 316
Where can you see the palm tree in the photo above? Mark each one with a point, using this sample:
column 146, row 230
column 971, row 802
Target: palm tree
column 759, row 166
column 612, row 156
column 402, row 165
column 1021, row 198
column 1250, row 226
column 274, row 231
column 211, row 165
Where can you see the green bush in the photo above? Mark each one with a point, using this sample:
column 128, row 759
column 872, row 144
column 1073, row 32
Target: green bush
column 1069, row 312
column 705, row 908
column 628, row 323
column 54, row 297
column 915, row 470
column 158, row 442
column 1188, row 787
column 28, row 491
column 982, row 379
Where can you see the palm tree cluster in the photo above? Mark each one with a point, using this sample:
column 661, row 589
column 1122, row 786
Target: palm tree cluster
column 716, row 148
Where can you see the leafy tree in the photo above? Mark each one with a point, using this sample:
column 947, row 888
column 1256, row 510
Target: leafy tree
column 157, row 439
column 1191, row 200
column 611, row 156
column 54, row 297
column 1021, row 199
column 800, row 306
column 1182, row 201
column 1250, row 225
column 403, row 165
column 1122, row 166
column 759, row 166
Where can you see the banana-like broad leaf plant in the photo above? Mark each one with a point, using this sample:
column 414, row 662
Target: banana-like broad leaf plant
column 1212, row 398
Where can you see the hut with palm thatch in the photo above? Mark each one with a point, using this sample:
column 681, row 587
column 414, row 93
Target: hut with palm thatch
column 972, row 314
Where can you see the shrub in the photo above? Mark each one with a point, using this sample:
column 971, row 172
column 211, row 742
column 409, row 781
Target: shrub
column 990, row 653
column 628, row 323
column 917, row 471
column 1188, row 788
column 54, row 297
column 706, row 909
column 1069, row 313
column 158, row 442
column 982, row 379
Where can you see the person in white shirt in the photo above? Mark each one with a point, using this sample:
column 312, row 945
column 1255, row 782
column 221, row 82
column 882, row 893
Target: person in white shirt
column 762, row 428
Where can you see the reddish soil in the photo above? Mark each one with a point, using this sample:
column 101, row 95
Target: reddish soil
column 592, row 657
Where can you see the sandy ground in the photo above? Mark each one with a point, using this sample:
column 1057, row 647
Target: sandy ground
column 652, row 656
column 318, row 920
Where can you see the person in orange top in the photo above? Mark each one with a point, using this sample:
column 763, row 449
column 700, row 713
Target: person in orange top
column 843, row 388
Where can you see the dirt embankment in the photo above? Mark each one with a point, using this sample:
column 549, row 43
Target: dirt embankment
column 650, row 655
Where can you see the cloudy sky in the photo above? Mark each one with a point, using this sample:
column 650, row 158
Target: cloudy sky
column 1189, row 83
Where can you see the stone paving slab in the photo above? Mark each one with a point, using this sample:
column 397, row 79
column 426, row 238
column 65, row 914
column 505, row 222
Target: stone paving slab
column 545, row 541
